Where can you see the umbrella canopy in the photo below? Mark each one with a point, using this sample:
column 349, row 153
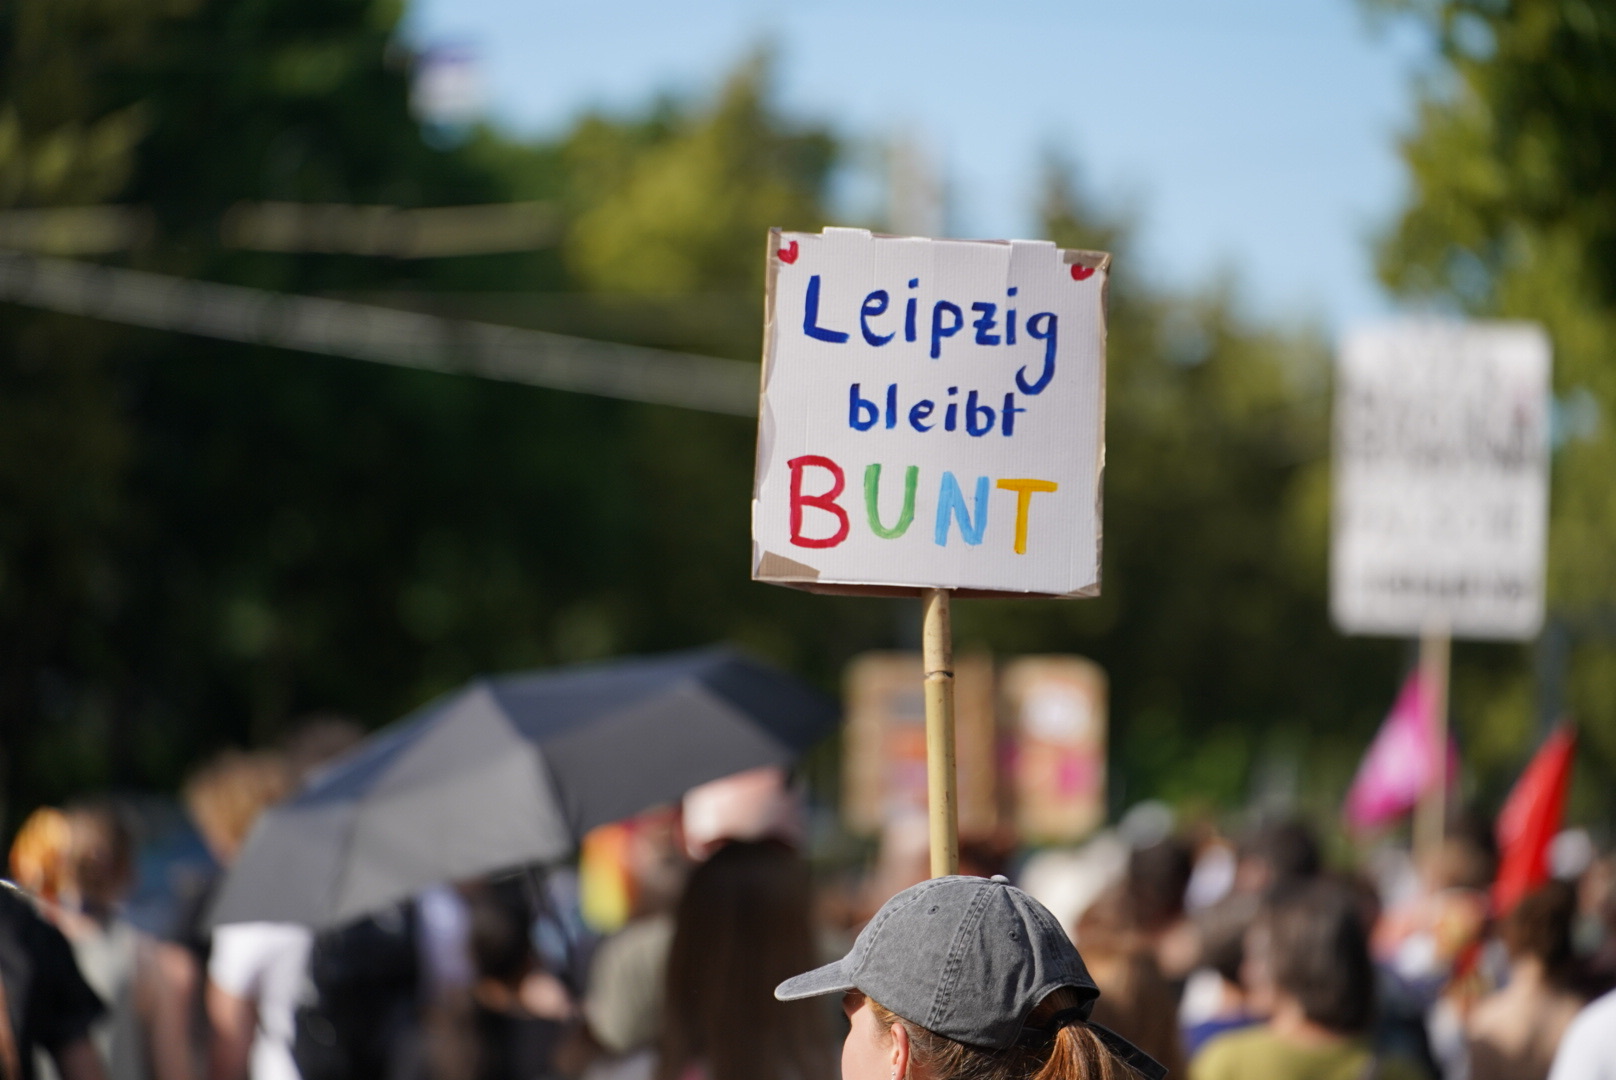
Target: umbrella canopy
column 513, row 770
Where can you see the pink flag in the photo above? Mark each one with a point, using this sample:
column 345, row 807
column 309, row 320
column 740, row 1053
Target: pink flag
column 1400, row 765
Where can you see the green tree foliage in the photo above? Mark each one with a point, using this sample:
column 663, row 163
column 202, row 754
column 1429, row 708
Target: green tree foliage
column 152, row 496
column 231, row 536
column 679, row 203
column 1212, row 623
column 67, row 137
column 1513, row 215
column 245, row 534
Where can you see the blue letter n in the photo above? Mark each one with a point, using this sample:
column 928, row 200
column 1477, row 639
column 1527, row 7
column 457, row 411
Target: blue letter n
column 951, row 505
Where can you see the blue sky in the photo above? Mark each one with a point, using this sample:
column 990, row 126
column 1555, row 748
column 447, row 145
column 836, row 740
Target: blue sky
column 1252, row 138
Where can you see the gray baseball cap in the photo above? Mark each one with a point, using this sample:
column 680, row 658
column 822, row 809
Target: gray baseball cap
column 967, row 958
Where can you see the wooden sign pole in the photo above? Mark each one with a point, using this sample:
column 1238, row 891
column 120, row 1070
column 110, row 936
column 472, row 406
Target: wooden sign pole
column 942, row 797
column 1430, row 818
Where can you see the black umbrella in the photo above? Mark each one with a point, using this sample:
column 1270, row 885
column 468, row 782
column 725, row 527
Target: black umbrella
column 513, row 770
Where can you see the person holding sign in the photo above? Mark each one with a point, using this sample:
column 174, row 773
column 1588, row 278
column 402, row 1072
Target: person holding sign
column 962, row 978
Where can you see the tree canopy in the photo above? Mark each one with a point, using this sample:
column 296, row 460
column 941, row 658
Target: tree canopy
column 1512, row 214
column 202, row 541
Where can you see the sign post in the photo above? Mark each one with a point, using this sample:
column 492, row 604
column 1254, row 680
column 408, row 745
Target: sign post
column 1441, row 498
column 942, row 775
column 1431, row 816
column 884, row 743
column 931, row 423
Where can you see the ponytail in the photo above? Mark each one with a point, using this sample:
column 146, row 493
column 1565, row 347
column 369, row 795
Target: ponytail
column 1078, row 1054
column 1074, row 1052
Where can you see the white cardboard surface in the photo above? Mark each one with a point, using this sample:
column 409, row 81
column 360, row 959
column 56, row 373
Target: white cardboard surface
column 962, row 532
column 1441, row 476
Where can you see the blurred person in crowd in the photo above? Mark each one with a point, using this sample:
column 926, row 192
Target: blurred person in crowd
column 447, row 974
column 743, row 926
column 114, row 957
column 1588, row 1049
column 1156, row 880
column 1514, row 1031
column 1400, row 1014
column 623, row 1000
column 39, row 853
column 1276, row 854
column 226, row 795
column 1215, row 1001
column 48, row 1007
column 358, row 1014
column 1431, row 943
column 1595, row 934
column 623, row 1003
column 999, row 991
column 1307, row 968
column 507, row 1017
column 443, row 944
column 753, row 805
column 78, row 867
column 257, row 971
column 1068, row 881
column 1422, row 937
column 521, row 1008
column 170, row 973
column 1136, row 1000
column 1215, row 865
column 254, row 970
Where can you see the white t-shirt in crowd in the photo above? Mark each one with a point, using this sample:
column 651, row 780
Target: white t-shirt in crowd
column 444, row 940
column 1588, row 1051
column 265, row 963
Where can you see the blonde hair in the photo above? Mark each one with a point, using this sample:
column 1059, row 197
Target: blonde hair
column 39, row 853
column 1074, row 1052
column 227, row 794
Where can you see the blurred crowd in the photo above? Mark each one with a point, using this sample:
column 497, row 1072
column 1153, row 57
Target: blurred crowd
column 1256, row 957
column 1244, row 955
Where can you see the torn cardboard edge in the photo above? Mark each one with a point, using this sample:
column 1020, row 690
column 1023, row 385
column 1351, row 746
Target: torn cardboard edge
column 1093, row 260
column 765, row 432
column 775, row 569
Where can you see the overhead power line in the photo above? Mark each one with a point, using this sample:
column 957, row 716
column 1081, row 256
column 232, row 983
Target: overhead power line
column 387, row 230
column 76, row 230
column 321, row 228
column 385, row 335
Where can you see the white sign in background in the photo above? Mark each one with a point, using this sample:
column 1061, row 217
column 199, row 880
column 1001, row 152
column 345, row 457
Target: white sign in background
column 1441, row 476
column 932, row 415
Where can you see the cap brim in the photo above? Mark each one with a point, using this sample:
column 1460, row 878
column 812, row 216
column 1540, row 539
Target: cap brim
column 1141, row 1062
column 833, row 978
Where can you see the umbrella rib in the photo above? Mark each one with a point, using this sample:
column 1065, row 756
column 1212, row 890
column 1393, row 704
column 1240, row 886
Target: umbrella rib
column 345, row 849
column 347, row 865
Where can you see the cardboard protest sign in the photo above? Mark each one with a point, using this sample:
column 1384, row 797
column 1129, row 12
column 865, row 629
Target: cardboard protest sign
column 1441, row 477
column 1055, row 712
column 932, row 416
column 884, row 750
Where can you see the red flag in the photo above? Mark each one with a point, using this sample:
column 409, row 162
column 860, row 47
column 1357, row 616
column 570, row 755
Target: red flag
column 1530, row 820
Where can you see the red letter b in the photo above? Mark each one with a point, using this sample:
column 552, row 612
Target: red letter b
column 826, row 502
